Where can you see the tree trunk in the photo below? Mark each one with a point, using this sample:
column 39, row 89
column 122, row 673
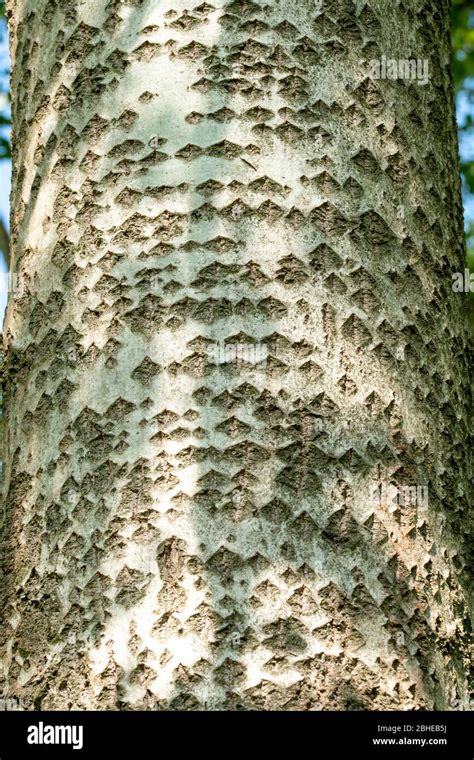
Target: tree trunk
column 236, row 367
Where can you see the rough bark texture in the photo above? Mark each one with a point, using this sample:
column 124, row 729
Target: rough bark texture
column 185, row 535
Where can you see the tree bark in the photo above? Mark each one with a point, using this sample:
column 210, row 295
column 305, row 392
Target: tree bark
column 189, row 532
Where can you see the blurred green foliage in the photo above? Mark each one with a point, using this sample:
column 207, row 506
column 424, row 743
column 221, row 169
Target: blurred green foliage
column 463, row 48
column 4, row 91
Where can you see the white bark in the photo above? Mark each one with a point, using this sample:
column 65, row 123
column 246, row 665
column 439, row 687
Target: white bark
column 186, row 533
